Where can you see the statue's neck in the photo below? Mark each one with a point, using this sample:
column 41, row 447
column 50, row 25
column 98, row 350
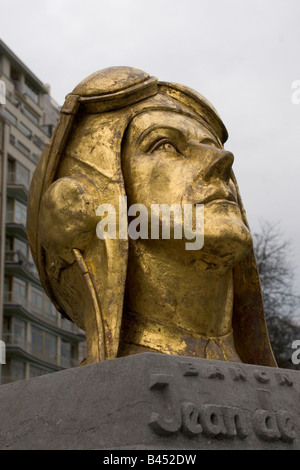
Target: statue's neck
column 178, row 298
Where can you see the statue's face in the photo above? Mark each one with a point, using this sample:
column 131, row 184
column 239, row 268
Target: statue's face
column 170, row 158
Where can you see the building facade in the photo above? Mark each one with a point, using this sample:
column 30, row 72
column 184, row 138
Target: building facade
column 37, row 339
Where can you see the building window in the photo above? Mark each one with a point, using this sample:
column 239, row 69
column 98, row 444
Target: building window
column 9, row 116
column 15, row 250
column 36, row 300
column 19, row 290
column 9, row 244
column 15, row 77
column 18, row 173
column 41, row 305
column 18, row 331
column 13, row 100
column 12, row 139
column 66, row 349
column 66, row 354
column 30, row 115
column 20, row 212
column 31, row 91
column 16, row 212
column 37, row 340
column 43, row 343
column 38, row 142
column 20, row 247
column 6, row 326
column 25, row 130
column 50, row 345
column 23, row 149
column 50, row 310
column 22, row 174
column 9, row 210
column 17, row 369
column 35, row 158
column 7, row 289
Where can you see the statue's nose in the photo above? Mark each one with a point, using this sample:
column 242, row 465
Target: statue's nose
column 218, row 165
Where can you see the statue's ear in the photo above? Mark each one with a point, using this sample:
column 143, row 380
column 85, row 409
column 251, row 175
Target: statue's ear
column 67, row 217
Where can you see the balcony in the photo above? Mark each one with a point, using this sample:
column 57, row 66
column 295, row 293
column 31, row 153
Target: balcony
column 23, row 346
column 17, row 186
column 12, row 300
column 15, row 226
column 17, row 342
column 17, row 257
column 18, row 264
column 23, row 149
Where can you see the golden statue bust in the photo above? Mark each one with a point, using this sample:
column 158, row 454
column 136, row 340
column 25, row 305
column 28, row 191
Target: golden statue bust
column 124, row 133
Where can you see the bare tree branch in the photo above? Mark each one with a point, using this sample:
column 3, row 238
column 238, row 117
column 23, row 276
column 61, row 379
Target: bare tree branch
column 281, row 303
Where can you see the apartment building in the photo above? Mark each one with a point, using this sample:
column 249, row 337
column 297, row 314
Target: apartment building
column 37, row 339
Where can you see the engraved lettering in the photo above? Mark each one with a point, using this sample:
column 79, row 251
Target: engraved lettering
column 261, row 376
column 218, row 421
column 191, row 419
column 159, row 381
column 235, row 422
column 188, row 369
column 212, row 421
column 165, row 425
column 214, row 373
column 265, row 425
column 283, row 379
column 237, row 374
column 285, row 426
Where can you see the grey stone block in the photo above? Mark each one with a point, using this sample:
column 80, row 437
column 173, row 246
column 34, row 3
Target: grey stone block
column 153, row 401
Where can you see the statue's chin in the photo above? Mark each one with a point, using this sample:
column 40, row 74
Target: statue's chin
column 227, row 240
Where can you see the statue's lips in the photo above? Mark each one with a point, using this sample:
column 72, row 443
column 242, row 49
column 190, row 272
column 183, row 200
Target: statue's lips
column 217, row 197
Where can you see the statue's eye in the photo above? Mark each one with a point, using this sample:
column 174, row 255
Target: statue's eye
column 165, row 145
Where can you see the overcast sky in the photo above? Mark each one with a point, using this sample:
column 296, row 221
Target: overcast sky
column 243, row 55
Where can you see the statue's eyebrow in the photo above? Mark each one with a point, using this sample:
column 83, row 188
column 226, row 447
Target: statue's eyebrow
column 177, row 133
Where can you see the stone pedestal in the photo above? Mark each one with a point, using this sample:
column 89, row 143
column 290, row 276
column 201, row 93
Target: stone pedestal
column 153, row 401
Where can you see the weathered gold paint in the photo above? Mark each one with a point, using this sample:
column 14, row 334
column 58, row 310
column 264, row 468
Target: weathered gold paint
column 122, row 132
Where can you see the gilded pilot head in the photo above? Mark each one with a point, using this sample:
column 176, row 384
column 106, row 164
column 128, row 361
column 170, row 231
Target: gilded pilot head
column 123, row 133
